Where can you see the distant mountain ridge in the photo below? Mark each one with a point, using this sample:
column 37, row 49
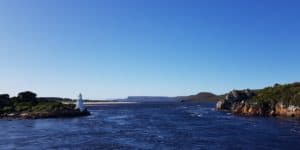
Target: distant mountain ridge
column 150, row 99
column 200, row 97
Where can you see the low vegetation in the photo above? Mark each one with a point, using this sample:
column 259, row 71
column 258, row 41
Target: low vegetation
column 26, row 105
column 288, row 94
column 28, row 102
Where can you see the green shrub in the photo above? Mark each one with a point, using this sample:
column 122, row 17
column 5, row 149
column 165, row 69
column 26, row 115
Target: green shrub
column 48, row 106
column 45, row 106
column 288, row 94
column 7, row 109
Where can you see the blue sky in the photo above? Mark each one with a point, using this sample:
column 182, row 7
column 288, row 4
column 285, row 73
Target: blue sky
column 116, row 48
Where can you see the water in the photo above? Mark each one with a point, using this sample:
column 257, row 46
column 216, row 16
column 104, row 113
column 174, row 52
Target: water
column 152, row 126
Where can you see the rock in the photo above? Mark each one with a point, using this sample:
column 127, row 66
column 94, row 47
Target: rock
column 238, row 103
column 223, row 105
column 238, row 96
column 289, row 111
column 254, row 110
column 25, row 115
column 277, row 100
column 219, row 105
column 12, row 115
column 249, row 93
column 56, row 114
column 233, row 99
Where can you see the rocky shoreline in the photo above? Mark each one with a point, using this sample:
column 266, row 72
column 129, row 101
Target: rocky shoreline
column 270, row 101
column 39, row 115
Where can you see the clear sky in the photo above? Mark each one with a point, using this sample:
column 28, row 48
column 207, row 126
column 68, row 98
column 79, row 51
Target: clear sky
column 116, row 48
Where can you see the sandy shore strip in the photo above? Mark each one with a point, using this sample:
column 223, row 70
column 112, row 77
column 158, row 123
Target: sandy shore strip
column 101, row 103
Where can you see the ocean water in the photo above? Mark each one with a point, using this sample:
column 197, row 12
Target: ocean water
column 152, row 126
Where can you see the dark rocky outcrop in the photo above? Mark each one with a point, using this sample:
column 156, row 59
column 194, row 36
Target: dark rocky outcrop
column 279, row 100
column 233, row 98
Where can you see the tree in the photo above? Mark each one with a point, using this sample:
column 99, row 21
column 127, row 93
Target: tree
column 27, row 96
column 4, row 99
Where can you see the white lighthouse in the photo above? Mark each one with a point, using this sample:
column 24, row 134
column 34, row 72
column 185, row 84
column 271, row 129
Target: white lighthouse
column 79, row 103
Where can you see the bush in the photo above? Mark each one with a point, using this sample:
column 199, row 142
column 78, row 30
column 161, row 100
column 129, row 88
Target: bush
column 27, row 96
column 7, row 109
column 288, row 94
column 48, row 106
column 4, row 100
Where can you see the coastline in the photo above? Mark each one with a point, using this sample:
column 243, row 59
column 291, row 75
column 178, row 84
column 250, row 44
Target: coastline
column 278, row 100
column 43, row 115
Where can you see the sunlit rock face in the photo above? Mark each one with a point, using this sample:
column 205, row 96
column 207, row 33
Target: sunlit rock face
column 79, row 103
column 233, row 98
column 290, row 110
column 239, row 102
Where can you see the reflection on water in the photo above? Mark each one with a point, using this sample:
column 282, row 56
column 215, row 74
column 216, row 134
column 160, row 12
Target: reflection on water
column 152, row 126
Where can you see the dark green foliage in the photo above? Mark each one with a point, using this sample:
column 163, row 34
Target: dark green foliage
column 27, row 96
column 27, row 102
column 48, row 106
column 4, row 100
column 4, row 96
column 288, row 94
column 7, row 109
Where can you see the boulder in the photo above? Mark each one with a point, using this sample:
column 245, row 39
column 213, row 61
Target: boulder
column 233, row 99
column 223, row 105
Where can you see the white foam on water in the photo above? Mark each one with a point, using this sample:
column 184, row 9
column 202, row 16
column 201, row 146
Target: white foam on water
column 295, row 130
column 199, row 115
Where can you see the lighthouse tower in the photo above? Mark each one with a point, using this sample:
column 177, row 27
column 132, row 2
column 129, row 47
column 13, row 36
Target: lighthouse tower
column 79, row 103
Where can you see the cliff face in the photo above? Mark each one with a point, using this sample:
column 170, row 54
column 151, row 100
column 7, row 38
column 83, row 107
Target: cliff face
column 290, row 111
column 271, row 101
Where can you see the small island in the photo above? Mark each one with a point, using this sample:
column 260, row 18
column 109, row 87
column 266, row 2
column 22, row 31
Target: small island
column 277, row 100
column 28, row 106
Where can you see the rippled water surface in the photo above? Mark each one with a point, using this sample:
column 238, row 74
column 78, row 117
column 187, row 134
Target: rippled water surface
column 152, row 126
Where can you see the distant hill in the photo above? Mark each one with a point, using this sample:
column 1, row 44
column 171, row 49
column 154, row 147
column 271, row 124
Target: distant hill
column 149, row 99
column 200, row 97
